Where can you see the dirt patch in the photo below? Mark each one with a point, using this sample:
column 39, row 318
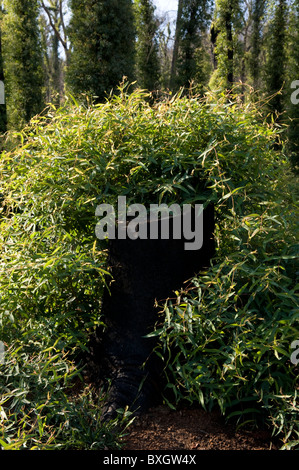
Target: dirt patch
column 192, row 429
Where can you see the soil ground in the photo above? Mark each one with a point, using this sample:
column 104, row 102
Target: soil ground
column 192, row 429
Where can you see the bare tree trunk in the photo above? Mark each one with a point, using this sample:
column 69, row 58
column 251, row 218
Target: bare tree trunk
column 61, row 38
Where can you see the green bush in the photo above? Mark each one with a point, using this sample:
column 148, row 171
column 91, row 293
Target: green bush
column 226, row 340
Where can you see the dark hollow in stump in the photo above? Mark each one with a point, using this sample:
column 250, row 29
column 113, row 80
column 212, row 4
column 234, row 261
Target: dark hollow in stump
column 143, row 271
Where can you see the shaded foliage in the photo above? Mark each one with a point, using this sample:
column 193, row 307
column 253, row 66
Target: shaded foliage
column 103, row 50
column 22, row 61
column 147, row 47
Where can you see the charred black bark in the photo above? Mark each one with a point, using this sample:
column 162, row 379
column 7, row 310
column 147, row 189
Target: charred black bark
column 143, row 271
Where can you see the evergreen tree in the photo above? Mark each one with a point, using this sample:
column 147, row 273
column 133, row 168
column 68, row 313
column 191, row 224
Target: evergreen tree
column 102, row 35
column 256, row 40
column 190, row 61
column 3, row 114
column 191, row 54
column 177, row 37
column 147, row 51
column 22, row 61
column 226, row 29
column 293, row 87
column 276, row 57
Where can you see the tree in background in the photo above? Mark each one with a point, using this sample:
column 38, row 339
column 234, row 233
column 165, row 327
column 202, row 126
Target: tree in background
column 226, row 28
column 275, row 68
column 253, row 42
column 165, row 52
column 45, row 30
column 22, row 61
column 52, row 39
column 191, row 63
column 258, row 12
column 293, row 89
column 191, row 57
column 177, row 38
column 3, row 114
column 55, row 13
column 102, row 38
column 147, row 49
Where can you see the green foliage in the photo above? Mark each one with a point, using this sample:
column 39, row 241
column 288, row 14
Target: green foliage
column 22, row 61
column 147, row 47
column 227, row 24
column 43, row 402
column 102, row 35
column 275, row 67
column 191, row 58
column 226, row 341
column 258, row 13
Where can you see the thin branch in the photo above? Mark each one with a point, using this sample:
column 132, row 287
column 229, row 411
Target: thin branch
column 56, row 31
column 62, row 21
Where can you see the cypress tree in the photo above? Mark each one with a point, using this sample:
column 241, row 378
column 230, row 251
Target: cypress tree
column 256, row 40
column 177, row 37
column 23, row 66
column 102, row 35
column 226, row 27
column 190, row 56
column 189, row 61
column 293, row 95
column 276, row 57
column 147, row 51
column 3, row 114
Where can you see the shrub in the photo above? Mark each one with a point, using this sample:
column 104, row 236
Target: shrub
column 226, row 340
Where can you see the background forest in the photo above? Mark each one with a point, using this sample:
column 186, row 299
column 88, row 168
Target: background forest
column 207, row 113
column 50, row 48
